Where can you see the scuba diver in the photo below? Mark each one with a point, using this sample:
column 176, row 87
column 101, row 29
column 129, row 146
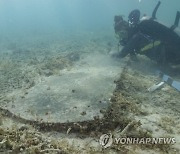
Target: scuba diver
column 148, row 37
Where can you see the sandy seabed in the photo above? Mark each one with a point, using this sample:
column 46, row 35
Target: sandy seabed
column 123, row 105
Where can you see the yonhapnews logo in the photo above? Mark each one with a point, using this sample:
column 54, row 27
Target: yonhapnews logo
column 106, row 140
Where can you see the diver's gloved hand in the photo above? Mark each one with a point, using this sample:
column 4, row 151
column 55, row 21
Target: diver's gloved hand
column 123, row 42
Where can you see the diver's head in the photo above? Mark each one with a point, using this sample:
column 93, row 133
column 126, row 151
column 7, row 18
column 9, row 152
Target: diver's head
column 134, row 17
column 120, row 24
column 121, row 27
column 118, row 18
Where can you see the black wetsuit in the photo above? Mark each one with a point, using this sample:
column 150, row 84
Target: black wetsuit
column 148, row 31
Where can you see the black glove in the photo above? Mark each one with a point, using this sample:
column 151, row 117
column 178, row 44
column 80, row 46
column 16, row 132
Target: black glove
column 123, row 42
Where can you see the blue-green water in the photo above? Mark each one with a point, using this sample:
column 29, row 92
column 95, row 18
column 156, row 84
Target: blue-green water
column 31, row 16
column 61, row 88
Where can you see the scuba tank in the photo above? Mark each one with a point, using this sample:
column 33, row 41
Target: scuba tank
column 159, row 31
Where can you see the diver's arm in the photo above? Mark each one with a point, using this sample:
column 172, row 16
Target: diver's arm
column 131, row 45
column 138, row 41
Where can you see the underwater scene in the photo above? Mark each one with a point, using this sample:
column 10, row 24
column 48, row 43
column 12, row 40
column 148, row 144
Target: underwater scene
column 90, row 76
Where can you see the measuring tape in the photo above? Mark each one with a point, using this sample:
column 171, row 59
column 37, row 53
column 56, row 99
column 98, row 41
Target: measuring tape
column 169, row 80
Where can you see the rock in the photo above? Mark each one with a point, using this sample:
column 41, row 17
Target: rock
column 24, row 127
column 83, row 113
column 47, row 72
column 2, row 131
column 73, row 56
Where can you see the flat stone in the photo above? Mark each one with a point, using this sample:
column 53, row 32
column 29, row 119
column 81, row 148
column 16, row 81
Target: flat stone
column 65, row 97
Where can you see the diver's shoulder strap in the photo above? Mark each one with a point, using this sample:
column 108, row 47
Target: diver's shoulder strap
column 176, row 22
column 155, row 10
